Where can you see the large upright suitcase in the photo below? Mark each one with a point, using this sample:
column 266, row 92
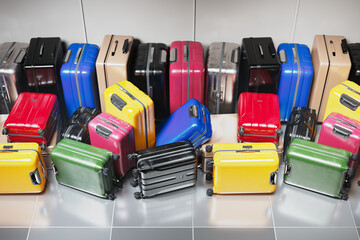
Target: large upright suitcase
column 222, row 77
column 295, row 77
column 259, row 66
column 354, row 51
column 113, row 62
column 12, row 74
column 331, row 66
column 186, row 73
column 78, row 77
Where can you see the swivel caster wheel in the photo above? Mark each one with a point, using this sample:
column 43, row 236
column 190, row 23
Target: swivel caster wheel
column 134, row 183
column 111, row 196
column 137, row 195
column 209, row 192
column 208, row 176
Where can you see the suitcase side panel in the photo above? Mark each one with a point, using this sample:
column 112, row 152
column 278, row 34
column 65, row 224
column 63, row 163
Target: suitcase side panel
column 197, row 71
column 354, row 51
column 175, row 75
column 307, row 71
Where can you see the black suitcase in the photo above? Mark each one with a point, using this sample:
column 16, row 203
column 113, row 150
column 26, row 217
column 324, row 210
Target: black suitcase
column 354, row 50
column 150, row 75
column 77, row 126
column 259, row 66
column 164, row 169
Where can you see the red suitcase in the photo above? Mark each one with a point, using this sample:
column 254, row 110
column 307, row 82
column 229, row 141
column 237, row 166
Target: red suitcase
column 186, row 73
column 33, row 118
column 259, row 118
column 113, row 134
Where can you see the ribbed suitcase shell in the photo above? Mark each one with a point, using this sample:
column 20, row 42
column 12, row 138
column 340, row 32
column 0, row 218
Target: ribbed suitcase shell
column 126, row 102
column 22, row 168
column 78, row 77
column 354, row 51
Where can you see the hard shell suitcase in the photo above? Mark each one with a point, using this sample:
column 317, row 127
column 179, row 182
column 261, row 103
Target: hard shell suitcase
column 259, row 66
column 331, row 66
column 78, row 77
column 222, row 77
column 12, row 56
column 295, row 77
column 244, row 168
column 3, row 117
column 259, row 118
column 113, row 62
column 317, row 168
column 126, row 102
column 22, row 168
column 164, row 169
column 84, row 167
column 53, row 141
column 186, row 73
column 33, row 118
column 345, row 99
column 354, row 51
column 190, row 122
column 115, row 135
column 151, row 76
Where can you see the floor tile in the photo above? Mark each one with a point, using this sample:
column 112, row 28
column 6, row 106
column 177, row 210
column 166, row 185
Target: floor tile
column 316, row 233
column 17, row 210
column 233, row 233
column 13, row 233
column 152, row 233
column 354, row 198
column 69, row 233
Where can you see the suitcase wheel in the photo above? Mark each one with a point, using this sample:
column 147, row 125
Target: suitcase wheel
column 111, row 196
column 287, row 169
column 347, row 184
column 105, row 171
column 209, row 192
column 135, row 173
column 134, row 183
column 118, row 183
column 209, row 148
column 5, row 131
column 279, row 132
column 241, row 130
column 41, row 132
column 43, row 146
column 115, row 157
column 344, row 196
column 208, row 176
column 137, row 195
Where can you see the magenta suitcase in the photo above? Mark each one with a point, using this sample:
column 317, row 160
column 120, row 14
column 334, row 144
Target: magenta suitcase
column 186, row 73
column 108, row 132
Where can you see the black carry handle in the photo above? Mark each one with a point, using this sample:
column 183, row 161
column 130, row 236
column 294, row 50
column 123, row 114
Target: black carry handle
column 235, row 55
column 116, row 45
column 342, row 132
column 35, row 177
column 41, row 50
column 125, row 46
column 117, row 101
column 272, row 50
column 349, row 102
column 261, row 51
column 193, row 111
column 344, row 46
column 103, row 132
column 273, row 178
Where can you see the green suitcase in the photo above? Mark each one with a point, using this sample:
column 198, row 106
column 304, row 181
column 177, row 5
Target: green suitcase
column 85, row 167
column 317, row 167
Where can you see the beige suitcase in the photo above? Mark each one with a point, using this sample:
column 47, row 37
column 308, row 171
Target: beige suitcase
column 112, row 62
column 331, row 66
column 46, row 153
column 3, row 117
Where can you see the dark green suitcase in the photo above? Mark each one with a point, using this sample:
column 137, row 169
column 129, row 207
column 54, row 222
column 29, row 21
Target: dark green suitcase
column 85, row 167
column 317, row 167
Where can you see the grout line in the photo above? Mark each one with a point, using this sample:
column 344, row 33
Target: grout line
column 295, row 20
column 83, row 20
column 272, row 216
column 192, row 214
column 194, row 20
column 352, row 215
column 112, row 221
column 32, row 217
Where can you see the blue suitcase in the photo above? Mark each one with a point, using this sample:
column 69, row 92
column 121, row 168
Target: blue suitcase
column 190, row 122
column 78, row 77
column 295, row 77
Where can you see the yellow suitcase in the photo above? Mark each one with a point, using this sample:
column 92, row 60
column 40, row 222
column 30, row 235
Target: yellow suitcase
column 126, row 102
column 244, row 168
column 344, row 98
column 22, row 168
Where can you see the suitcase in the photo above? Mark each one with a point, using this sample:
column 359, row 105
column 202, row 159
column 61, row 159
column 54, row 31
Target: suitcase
column 54, row 140
column 164, row 169
column 78, row 77
column 222, row 77
column 259, row 66
column 115, row 135
column 126, row 102
column 12, row 56
column 301, row 124
column 244, row 168
column 18, row 175
column 186, row 73
column 33, row 118
column 296, row 74
column 151, row 76
column 317, row 168
column 345, row 99
column 84, row 167
column 113, row 62
column 77, row 127
column 259, row 118
column 190, row 122
column 3, row 117
column 331, row 66
column 354, row 52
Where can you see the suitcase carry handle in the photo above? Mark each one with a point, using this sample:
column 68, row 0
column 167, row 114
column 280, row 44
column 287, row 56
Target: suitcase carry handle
column 344, row 46
column 163, row 56
column 261, row 51
column 173, row 55
column 35, row 177
column 186, row 53
column 67, row 56
column 235, row 55
column 273, row 178
column 41, row 50
column 342, row 132
column 125, row 46
column 117, row 101
column 193, row 111
column 282, row 55
column 103, row 132
column 115, row 47
column 272, row 50
column 349, row 102
column 78, row 54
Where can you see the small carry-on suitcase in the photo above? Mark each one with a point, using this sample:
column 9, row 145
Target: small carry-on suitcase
column 186, row 73
column 12, row 81
column 295, row 77
column 259, row 66
column 244, row 168
column 222, row 77
column 151, row 76
column 259, row 118
column 84, row 167
column 345, row 99
column 113, row 62
column 164, row 169
column 190, row 122
column 126, row 102
column 22, row 168
column 331, row 66
column 115, row 135
column 354, row 51
column 33, row 118
column 317, row 168
column 78, row 77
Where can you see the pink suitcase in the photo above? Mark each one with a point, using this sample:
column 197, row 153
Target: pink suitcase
column 186, row 74
column 108, row 132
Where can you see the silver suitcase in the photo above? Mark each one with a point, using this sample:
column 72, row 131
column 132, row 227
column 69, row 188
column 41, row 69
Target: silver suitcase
column 222, row 77
column 12, row 79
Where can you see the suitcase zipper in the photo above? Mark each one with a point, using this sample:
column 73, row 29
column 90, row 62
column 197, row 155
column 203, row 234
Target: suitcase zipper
column 218, row 96
column 188, row 70
column 319, row 150
column 244, row 150
column 342, row 121
column 298, row 75
column 77, row 61
column 259, row 135
column 82, row 152
column 351, row 89
column 105, row 59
